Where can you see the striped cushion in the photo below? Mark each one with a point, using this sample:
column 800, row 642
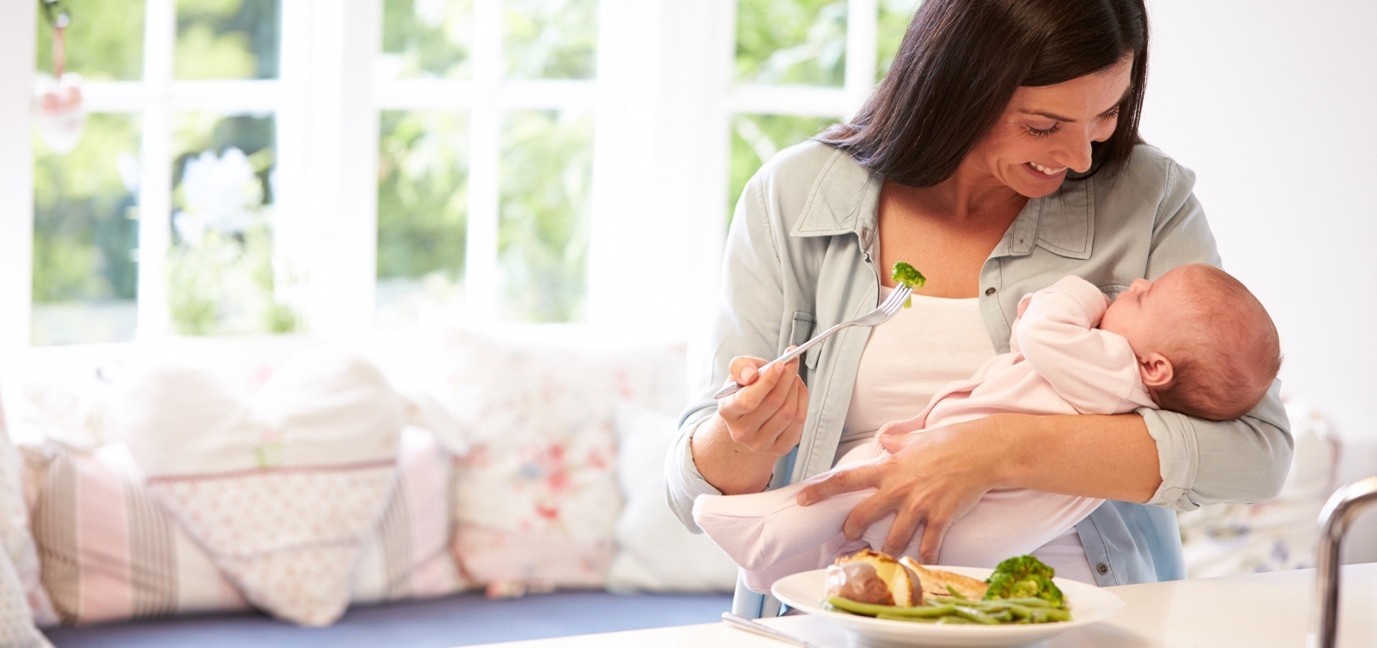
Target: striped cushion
column 108, row 551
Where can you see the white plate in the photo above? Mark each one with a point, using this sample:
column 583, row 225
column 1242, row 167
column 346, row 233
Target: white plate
column 1089, row 604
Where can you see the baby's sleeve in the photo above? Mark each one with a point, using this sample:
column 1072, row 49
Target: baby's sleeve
column 1094, row 370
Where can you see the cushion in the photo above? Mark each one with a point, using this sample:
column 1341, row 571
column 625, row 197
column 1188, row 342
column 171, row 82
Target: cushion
column 535, row 486
column 1279, row 534
column 16, row 619
column 110, row 552
column 655, row 552
column 324, row 429
column 407, row 556
column 21, row 595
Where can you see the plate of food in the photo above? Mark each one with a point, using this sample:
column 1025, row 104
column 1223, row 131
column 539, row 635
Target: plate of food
column 883, row 602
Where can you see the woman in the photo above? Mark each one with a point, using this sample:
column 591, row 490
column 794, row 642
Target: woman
column 1000, row 153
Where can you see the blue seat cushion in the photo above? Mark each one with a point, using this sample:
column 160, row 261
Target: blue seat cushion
column 458, row 620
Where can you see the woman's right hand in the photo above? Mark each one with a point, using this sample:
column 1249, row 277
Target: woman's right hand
column 766, row 415
column 735, row 450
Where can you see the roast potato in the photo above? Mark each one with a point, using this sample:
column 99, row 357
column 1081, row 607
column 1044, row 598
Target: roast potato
column 872, row 577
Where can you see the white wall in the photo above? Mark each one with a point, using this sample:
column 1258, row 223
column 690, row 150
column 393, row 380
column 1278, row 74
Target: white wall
column 1272, row 104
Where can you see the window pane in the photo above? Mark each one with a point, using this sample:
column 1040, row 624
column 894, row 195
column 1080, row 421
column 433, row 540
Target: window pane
column 103, row 42
column 227, row 39
column 543, row 228
column 791, row 43
column 226, row 275
column 85, row 276
column 551, row 39
column 756, row 139
column 427, row 38
column 422, row 213
column 893, row 22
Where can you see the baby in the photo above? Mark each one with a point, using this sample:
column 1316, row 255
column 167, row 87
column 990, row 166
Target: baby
column 1195, row 341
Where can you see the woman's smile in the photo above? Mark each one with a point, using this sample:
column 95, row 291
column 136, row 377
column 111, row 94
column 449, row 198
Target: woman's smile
column 1046, row 172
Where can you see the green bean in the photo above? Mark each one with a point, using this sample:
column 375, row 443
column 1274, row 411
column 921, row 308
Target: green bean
column 993, row 604
column 1021, row 613
column 954, row 620
column 942, row 609
column 975, row 615
column 910, row 619
column 1049, row 615
column 872, row 609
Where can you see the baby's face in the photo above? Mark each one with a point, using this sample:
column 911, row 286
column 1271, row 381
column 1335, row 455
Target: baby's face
column 1145, row 311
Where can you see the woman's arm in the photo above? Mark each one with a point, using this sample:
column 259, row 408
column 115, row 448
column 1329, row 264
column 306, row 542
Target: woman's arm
column 1104, row 456
column 1201, row 461
column 731, row 445
column 735, row 450
column 934, row 478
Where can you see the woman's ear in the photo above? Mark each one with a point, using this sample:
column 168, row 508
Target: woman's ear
column 1156, row 370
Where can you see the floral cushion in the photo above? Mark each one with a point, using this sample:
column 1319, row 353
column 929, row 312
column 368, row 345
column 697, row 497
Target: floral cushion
column 535, row 485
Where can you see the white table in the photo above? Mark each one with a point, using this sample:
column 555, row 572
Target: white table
column 1255, row 610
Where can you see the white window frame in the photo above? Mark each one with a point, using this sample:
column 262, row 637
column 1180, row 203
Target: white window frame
column 662, row 101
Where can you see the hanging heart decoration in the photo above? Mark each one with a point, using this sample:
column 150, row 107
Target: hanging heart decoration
column 60, row 113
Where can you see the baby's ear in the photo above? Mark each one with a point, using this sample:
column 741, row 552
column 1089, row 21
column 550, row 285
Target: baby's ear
column 1156, row 370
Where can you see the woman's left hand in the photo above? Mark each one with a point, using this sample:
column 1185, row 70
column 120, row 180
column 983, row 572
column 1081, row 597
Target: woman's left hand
column 931, row 478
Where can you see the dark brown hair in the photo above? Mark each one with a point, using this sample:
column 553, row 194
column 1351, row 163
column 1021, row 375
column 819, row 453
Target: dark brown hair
column 959, row 65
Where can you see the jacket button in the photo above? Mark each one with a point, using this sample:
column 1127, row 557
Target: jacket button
column 989, row 291
column 1102, row 568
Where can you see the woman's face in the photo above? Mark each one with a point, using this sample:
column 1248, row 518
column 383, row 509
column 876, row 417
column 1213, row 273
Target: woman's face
column 1047, row 130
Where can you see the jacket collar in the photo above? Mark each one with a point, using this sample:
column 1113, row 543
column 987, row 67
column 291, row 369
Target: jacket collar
column 844, row 197
column 842, row 200
column 1062, row 223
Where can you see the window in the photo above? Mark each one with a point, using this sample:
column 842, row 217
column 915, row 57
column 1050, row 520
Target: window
column 259, row 166
column 502, row 92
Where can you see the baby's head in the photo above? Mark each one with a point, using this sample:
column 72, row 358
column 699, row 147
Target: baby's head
column 1205, row 345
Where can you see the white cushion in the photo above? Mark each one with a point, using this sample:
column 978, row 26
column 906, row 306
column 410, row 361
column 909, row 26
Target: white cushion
column 655, row 553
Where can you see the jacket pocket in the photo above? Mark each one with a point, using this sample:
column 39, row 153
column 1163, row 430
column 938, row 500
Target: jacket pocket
column 802, row 331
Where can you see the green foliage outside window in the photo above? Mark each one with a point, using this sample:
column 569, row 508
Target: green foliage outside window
column 104, row 41
column 796, row 43
column 787, row 43
column 428, row 39
column 422, row 195
column 546, row 171
column 551, row 39
column 85, row 205
column 227, row 39
column 889, row 32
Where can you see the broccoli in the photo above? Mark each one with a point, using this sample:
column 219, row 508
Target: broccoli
column 1024, row 577
column 909, row 276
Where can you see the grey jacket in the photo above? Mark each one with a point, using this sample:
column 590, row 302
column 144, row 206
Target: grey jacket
column 798, row 260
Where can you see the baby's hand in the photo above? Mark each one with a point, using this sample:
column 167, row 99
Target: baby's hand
column 1023, row 303
column 894, row 440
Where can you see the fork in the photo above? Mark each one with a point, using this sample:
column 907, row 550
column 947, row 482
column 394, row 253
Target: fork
column 751, row 625
column 887, row 309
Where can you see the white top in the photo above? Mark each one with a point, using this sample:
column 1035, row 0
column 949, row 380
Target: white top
column 903, row 365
